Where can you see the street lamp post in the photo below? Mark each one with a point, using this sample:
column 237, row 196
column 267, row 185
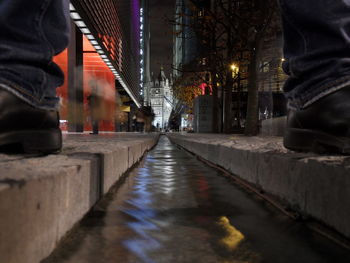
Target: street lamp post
column 236, row 75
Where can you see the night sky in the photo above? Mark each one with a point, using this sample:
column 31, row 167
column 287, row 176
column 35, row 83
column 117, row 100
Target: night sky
column 161, row 35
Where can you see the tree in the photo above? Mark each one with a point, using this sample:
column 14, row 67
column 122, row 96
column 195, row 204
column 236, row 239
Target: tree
column 225, row 29
column 265, row 11
column 185, row 90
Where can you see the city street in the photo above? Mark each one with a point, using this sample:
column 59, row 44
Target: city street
column 174, row 131
column 173, row 208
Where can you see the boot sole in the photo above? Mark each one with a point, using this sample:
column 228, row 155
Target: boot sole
column 314, row 141
column 34, row 141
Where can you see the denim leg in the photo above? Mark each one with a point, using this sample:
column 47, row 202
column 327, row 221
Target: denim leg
column 31, row 33
column 316, row 48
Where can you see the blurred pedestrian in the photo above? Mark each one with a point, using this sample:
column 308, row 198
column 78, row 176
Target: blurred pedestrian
column 94, row 102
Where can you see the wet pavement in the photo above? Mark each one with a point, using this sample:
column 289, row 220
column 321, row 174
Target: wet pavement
column 174, row 208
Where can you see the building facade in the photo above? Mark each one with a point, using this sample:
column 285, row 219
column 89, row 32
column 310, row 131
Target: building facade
column 145, row 51
column 104, row 59
column 185, row 48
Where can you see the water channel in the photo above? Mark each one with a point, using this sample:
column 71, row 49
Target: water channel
column 174, row 208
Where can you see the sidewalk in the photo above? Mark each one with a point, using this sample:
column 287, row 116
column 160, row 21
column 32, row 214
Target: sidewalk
column 41, row 198
column 315, row 186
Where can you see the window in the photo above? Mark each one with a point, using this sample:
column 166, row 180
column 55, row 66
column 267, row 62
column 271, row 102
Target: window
column 156, row 102
column 264, row 66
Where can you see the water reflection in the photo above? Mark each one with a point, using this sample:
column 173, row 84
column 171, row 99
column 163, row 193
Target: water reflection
column 233, row 237
column 141, row 215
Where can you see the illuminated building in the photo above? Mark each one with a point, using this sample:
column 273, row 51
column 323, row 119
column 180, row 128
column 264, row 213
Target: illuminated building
column 161, row 99
column 103, row 58
column 145, row 80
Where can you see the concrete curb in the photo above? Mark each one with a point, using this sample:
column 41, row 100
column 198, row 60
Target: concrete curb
column 274, row 126
column 313, row 185
column 42, row 198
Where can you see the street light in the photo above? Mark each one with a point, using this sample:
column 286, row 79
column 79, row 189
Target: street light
column 235, row 69
column 237, row 78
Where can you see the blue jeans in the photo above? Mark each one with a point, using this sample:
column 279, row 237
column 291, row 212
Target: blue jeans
column 31, row 33
column 316, row 49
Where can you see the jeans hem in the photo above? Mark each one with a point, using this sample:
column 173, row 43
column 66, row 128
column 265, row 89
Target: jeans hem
column 22, row 94
column 319, row 93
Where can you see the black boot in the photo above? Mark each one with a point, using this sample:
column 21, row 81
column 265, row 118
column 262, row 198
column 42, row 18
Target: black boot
column 322, row 127
column 27, row 129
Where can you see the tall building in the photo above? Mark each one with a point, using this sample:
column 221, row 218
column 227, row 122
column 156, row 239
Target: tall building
column 145, row 78
column 104, row 59
column 185, row 48
column 113, row 29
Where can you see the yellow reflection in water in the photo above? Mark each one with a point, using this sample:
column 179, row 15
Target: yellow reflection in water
column 233, row 237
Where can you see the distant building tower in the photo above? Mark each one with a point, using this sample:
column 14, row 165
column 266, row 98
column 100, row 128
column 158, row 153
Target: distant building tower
column 161, row 98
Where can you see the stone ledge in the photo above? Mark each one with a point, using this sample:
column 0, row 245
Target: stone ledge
column 41, row 198
column 273, row 126
column 314, row 185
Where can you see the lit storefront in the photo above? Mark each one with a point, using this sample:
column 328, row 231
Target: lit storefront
column 98, row 81
column 101, row 66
